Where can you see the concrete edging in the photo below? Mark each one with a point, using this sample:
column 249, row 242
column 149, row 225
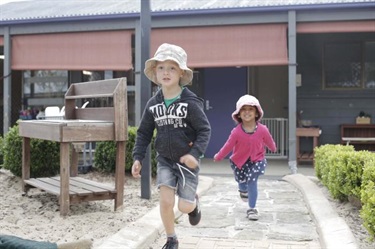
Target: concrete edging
column 333, row 231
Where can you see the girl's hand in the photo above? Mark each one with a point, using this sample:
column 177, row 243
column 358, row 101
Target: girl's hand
column 215, row 160
column 189, row 161
column 136, row 169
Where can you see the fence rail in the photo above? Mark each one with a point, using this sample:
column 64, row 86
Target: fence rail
column 278, row 128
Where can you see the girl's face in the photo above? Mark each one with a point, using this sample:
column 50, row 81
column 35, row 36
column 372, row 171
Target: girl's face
column 248, row 113
column 168, row 73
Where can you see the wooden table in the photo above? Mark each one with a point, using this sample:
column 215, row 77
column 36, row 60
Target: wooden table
column 81, row 125
column 307, row 132
column 71, row 189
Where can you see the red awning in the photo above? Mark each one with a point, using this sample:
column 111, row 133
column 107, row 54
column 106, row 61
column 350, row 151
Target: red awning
column 222, row 46
column 110, row 50
column 336, row 27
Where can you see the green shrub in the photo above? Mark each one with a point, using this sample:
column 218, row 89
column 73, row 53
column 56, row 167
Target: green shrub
column 353, row 172
column 44, row 155
column 344, row 175
column 368, row 196
column 324, row 157
column 346, row 172
column 1, row 151
column 320, row 159
column 105, row 154
column 336, row 177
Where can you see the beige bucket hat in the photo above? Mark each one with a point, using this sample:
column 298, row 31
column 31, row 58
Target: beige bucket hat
column 247, row 100
column 169, row 52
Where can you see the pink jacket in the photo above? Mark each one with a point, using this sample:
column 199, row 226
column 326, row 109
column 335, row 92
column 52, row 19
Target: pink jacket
column 245, row 145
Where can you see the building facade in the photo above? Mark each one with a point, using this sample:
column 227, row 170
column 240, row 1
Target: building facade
column 304, row 60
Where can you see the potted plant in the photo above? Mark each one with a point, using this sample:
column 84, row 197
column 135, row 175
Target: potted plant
column 363, row 118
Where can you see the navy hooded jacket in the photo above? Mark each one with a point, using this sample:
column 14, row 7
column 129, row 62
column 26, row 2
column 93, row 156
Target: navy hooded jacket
column 182, row 128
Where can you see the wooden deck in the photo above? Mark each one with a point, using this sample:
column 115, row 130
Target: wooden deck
column 80, row 189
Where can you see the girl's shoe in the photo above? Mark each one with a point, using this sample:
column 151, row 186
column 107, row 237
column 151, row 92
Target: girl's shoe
column 252, row 214
column 243, row 195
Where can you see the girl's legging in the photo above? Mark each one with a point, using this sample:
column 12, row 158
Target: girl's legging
column 251, row 187
column 247, row 178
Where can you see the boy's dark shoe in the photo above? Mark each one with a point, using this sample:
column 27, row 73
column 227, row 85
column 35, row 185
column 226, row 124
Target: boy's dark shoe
column 195, row 215
column 172, row 243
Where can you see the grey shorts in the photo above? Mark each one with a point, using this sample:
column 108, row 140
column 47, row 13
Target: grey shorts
column 179, row 177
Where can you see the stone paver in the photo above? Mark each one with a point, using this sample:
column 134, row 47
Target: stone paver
column 285, row 220
column 291, row 210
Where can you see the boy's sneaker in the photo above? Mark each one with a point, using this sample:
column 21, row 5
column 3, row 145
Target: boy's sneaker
column 195, row 215
column 252, row 214
column 172, row 243
column 243, row 195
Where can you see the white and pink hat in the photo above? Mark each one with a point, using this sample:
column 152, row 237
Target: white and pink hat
column 169, row 52
column 247, row 100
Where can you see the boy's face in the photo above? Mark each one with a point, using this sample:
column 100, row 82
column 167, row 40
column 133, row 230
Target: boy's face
column 168, row 73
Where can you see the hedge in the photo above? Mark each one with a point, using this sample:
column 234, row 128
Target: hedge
column 105, row 154
column 346, row 172
column 44, row 155
column 368, row 196
column 1, row 151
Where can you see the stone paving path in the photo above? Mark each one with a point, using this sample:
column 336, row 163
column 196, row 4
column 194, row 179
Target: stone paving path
column 285, row 221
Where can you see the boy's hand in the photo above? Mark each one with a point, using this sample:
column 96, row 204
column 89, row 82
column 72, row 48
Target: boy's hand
column 136, row 169
column 189, row 161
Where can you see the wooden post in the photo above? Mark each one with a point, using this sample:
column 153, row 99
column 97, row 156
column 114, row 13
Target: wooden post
column 74, row 162
column 25, row 162
column 64, row 178
column 120, row 173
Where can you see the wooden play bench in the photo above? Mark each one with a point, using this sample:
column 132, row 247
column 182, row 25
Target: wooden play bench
column 313, row 132
column 81, row 125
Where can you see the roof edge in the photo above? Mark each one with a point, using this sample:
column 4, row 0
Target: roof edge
column 136, row 15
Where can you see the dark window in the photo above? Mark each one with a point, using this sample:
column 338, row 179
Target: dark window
column 349, row 65
column 369, row 75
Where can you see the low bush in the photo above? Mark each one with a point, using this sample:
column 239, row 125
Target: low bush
column 1, row 151
column 368, row 196
column 324, row 157
column 346, row 172
column 44, row 155
column 336, row 176
column 105, row 154
column 353, row 168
